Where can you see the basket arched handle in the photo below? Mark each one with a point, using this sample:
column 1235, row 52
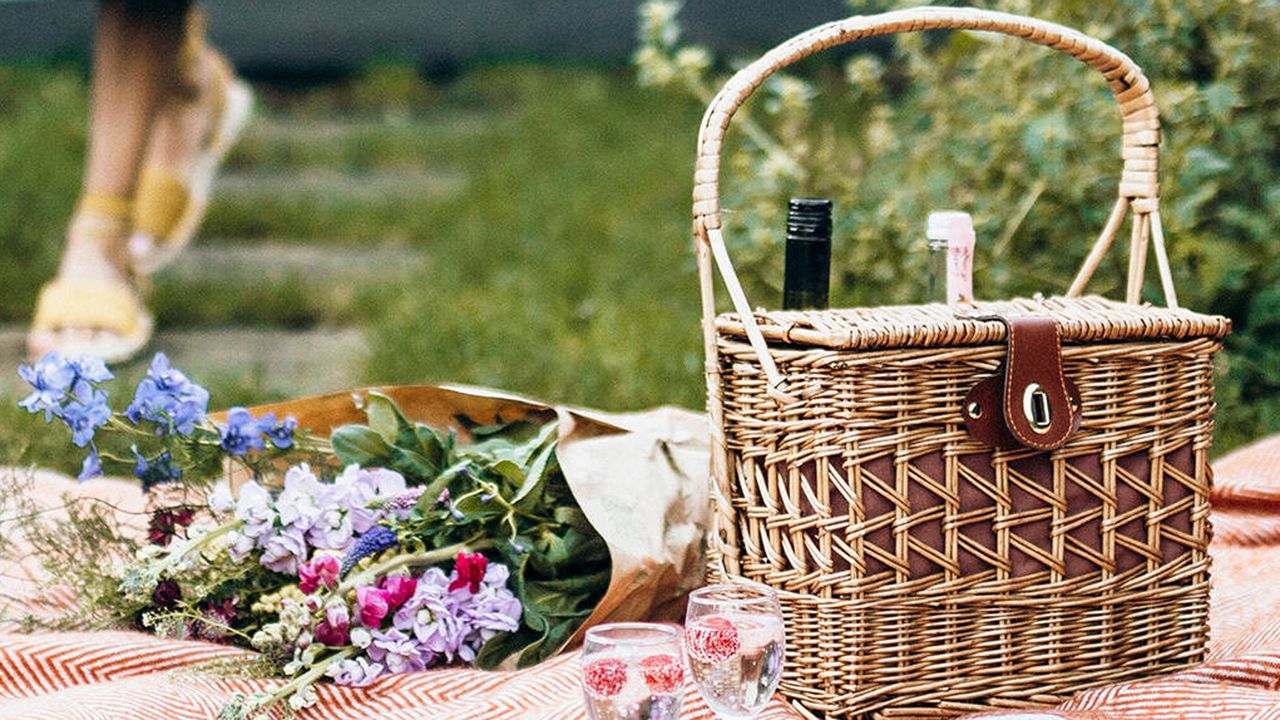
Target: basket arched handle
column 1139, row 184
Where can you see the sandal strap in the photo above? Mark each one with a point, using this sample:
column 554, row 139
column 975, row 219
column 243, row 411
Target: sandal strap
column 93, row 305
column 159, row 201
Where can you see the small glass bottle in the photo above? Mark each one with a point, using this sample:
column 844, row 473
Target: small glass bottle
column 807, row 276
column 950, row 236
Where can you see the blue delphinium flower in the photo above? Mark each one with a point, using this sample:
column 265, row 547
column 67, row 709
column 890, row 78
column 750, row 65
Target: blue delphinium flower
column 92, row 465
column 378, row 538
column 86, row 413
column 50, row 378
column 90, row 367
column 157, row 471
column 279, row 433
column 166, row 397
column 241, row 433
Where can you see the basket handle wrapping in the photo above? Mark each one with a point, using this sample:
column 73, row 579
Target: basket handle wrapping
column 1139, row 185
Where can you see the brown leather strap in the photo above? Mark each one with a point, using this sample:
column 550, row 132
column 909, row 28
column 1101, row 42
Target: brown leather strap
column 1029, row 402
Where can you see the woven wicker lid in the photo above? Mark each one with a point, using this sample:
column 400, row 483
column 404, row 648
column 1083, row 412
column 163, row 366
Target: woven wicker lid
column 1081, row 319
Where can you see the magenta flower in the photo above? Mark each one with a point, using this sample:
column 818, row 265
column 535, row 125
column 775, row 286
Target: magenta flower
column 333, row 630
column 469, row 568
column 373, row 604
column 322, row 570
column 399, row 588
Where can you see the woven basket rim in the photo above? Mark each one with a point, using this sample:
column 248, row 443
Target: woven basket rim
column 1087, row 319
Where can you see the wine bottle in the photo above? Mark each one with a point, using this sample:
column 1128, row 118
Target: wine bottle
column 807, row 276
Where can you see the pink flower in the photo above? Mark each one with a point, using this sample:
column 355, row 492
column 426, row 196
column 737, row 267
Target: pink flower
column 469, row 571
column 399, row 588
column 373, row 604
column 322, row 570
column 332, row 631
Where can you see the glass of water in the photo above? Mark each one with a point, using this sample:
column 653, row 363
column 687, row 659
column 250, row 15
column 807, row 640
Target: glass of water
column 632, row 671
column 734, row 637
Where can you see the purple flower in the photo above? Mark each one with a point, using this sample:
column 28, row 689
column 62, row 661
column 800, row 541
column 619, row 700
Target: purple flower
column 355, row 672
column 405, row 501
column 166, row 397
column 50, row 379
column 92, row 465
column 241, row 433
column 396, row 650
column 283, row 551
column 253, row 506
column 279, row 433
column 452, row 625
column 378, row 538
column 157, row 471
column 86, row 414
column 298, row 503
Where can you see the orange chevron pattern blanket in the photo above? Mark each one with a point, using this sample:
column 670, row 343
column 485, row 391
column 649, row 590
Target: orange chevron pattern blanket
column 109, row 675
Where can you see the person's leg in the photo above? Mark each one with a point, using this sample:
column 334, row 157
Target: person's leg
column 134, row 65
column 194, row 128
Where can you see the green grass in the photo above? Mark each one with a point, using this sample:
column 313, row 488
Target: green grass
column 549, row 207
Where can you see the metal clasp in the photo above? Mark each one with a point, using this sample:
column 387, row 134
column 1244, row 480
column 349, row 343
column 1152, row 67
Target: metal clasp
column 1035, row 408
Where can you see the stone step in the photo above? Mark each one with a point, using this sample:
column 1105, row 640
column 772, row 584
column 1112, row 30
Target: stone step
column 253, row 362
column 270, row 186
column 302, row 129
column 242, row 262
column 281, row 283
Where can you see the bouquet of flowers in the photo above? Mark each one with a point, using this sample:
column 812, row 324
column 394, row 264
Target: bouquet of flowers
column 387, row 547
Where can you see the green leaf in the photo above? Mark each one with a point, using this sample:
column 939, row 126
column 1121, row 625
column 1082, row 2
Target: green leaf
column 361, row 445
column 573, row 516
column 504, row 645
column 537, row 472
column 509, row 470
column 384, row 416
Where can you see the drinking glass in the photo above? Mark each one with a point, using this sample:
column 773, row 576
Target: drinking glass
column 734, row 637
column 632, row 671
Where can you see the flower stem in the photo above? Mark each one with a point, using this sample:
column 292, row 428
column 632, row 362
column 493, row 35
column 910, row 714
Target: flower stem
column 429, row 557
column 310, row 676
column 199, row 544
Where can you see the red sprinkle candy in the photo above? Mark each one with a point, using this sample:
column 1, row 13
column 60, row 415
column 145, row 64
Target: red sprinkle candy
column 712, row 639
column 662, row 673
column 605, row 678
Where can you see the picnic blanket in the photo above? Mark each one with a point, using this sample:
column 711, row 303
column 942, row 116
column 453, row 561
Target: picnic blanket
column 108, row 675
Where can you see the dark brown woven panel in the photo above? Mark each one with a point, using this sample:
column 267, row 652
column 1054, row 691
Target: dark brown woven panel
column 923, row 571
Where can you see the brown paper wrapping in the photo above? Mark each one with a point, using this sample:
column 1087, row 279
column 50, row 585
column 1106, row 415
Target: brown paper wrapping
column 640, row 478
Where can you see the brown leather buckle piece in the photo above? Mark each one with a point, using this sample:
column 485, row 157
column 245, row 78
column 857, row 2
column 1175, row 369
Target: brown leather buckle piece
column 1028, row 402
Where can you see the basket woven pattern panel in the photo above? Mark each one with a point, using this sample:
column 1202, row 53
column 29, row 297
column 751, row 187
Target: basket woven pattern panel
column 919, row 561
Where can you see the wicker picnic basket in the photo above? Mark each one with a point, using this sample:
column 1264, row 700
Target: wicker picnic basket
column 965, row 508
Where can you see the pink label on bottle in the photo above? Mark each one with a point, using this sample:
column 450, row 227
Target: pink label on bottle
column 960, row 261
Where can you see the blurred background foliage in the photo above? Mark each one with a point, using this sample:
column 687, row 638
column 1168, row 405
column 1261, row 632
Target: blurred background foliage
column 525, row 225
column 1027, row 140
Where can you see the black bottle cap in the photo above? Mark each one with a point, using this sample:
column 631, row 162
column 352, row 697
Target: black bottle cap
column 809, row 219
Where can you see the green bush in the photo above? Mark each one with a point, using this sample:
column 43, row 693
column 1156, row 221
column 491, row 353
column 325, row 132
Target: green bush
column 1027, row 141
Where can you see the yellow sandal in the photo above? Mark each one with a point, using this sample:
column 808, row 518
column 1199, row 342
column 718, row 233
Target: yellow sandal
column 167, row 209
column 124, row 325
column 94, row 317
